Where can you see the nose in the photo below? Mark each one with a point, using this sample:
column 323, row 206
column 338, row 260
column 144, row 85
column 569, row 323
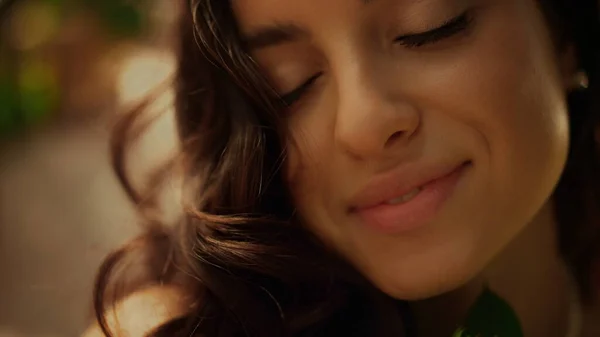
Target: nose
column 373, row 119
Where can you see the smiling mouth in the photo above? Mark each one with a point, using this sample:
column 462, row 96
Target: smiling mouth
column 406, row 197
column 413, row 209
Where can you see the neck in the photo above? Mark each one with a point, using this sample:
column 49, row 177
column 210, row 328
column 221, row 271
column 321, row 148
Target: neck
column 529, row 274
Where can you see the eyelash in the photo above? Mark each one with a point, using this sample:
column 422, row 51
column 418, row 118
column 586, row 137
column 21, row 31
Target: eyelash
column 295, row 95
column 449, row 29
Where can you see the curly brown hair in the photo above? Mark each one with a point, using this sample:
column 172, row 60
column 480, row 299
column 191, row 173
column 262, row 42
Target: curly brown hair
column 238, row 251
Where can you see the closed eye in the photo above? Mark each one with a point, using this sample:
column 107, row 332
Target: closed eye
column 449, row 29
column 293, row 96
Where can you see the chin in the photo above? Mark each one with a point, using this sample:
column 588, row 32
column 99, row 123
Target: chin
column 426, row 288
column 418, row 281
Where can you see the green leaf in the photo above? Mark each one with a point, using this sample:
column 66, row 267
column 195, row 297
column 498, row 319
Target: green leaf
column 459, row 333
column 491, row 316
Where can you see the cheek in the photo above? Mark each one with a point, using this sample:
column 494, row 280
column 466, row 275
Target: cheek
column 305, row 158
column 309, row 159
column 517, row 104
column 508, row 90
column 526, row 120
column 312, row 155
column 309, row 179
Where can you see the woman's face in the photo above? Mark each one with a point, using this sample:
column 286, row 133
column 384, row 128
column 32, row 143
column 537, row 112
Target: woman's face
column 424, row 134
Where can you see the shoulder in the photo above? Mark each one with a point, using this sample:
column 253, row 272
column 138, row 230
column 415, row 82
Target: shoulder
column 142, row 312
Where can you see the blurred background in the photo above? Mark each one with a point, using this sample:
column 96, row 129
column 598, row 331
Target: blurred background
column 68, row 68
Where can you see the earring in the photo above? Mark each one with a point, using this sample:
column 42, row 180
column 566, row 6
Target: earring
column 581, row 80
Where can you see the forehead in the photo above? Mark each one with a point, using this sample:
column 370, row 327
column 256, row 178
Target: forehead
column 251, row 14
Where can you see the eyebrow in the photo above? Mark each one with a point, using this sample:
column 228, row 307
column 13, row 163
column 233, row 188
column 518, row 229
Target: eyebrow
column 277, row 34
column 272, row 35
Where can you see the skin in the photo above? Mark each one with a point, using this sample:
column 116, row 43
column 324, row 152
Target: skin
column 494, row 96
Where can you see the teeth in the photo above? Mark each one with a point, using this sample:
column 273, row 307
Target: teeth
column 405, row 198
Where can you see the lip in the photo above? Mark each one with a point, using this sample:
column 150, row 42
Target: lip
column 436, row 184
